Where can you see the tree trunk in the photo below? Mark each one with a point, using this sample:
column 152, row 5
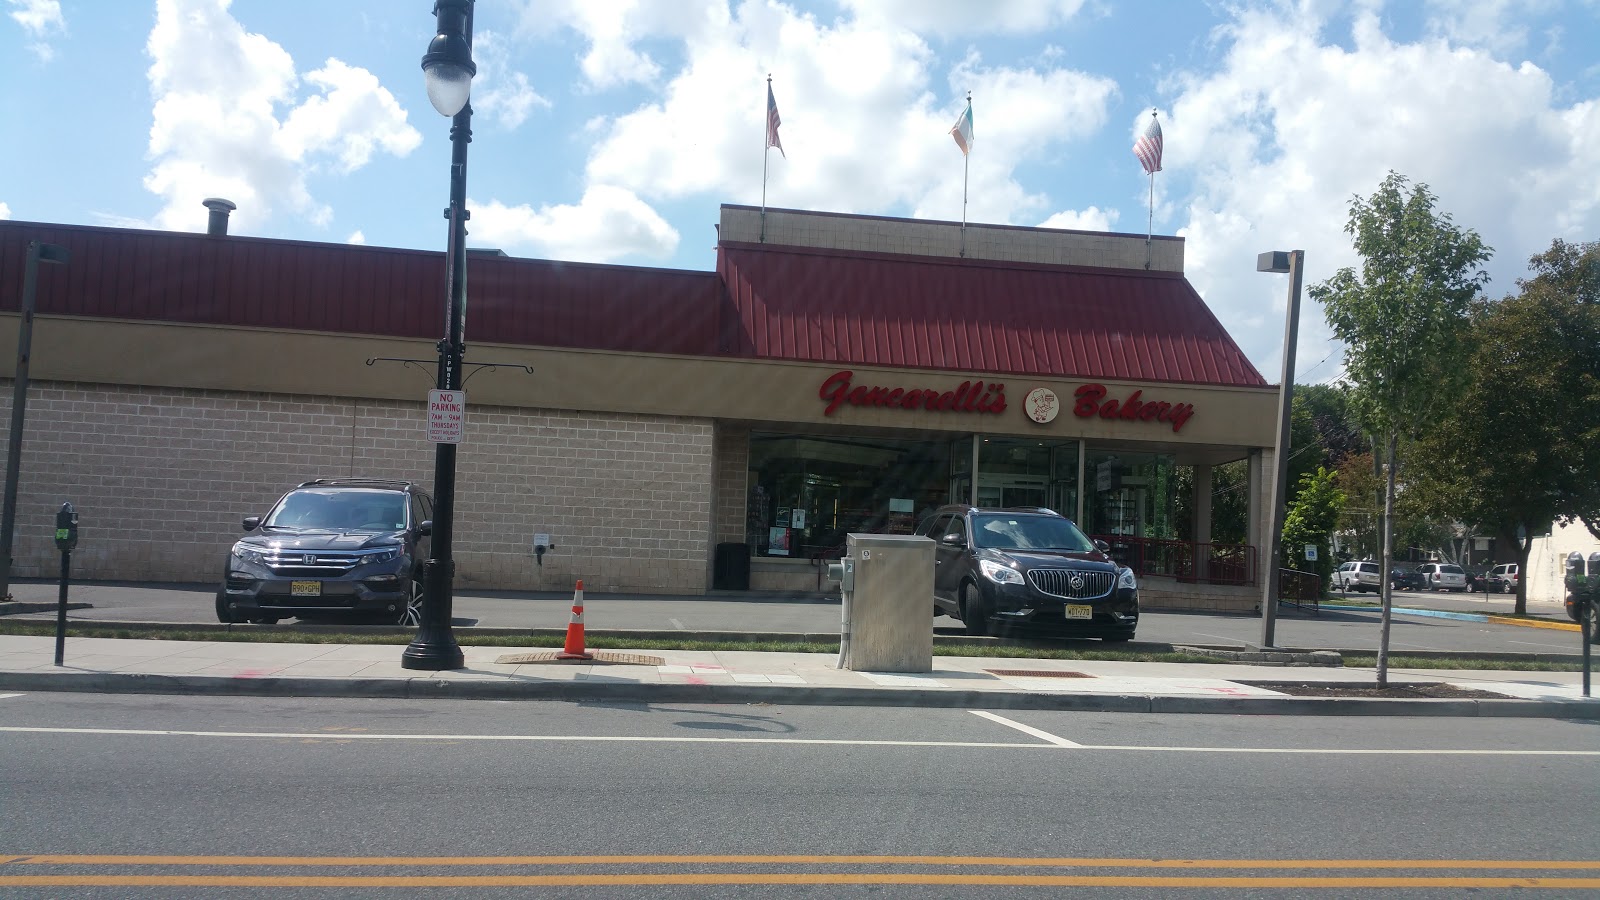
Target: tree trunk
column 1383, row 569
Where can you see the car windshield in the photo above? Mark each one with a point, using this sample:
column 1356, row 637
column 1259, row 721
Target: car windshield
column 1016, row 532
column 342, row 510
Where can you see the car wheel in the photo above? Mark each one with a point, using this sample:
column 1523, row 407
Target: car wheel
column 410, row 615
column 224, row 614
column 974, row 610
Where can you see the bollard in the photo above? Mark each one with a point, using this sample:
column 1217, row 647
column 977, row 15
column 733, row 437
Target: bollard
column 66, row 539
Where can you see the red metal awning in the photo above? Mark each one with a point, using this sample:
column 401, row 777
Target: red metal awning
column 974, row 316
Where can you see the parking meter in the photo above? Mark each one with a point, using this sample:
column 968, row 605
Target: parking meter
column 66, row 528
column 66, row 539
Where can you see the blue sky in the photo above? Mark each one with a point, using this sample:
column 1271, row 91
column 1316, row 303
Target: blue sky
column 611, row 131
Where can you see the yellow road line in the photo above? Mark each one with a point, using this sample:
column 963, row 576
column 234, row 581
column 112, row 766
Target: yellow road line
column 401, row 881
column 799, row 859
column 1531, row 623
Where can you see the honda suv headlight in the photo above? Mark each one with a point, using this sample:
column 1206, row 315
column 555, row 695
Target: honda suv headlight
column 999, row 574
column 379, row 556
column 1125, row 579
column 247, row 553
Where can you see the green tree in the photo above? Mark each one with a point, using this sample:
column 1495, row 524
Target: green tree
column 1230, row 502
column 1402, row 320
column 1311, row 520
column 1521, row 446
column 1358, row 521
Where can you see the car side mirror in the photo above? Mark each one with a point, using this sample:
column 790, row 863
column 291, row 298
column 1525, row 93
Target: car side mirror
column 954, row 540
column 250, row 522
column 425, row 528
column 1102, row 546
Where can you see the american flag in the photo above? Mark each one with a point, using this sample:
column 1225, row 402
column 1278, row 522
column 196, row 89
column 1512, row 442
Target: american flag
column 1148, row 147
column 773, row 122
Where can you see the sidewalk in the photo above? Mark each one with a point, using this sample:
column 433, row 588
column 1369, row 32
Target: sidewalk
column 677, row 676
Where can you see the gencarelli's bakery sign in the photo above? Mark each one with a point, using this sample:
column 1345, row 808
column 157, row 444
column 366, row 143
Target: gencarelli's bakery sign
column 971, row 396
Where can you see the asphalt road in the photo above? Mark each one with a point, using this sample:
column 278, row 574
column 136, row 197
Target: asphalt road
column 637, row 800
column 1331, row 629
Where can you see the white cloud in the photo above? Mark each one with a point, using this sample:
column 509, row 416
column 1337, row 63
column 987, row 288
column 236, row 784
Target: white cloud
column 1272, row 146
column 356, row 237
column 614, row 28
column 1495, row 25
column 5, row 211
column 959, row 18
column 40, row 19
column 497, row 90
column 608, row 223
column 865, row 127
column 1092, row 219
column 228, row 121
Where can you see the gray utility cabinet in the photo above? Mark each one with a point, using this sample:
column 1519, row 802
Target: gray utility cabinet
column 887, row 623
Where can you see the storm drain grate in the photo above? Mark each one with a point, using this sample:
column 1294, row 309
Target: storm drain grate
column 601, row 658
column 1036, row 673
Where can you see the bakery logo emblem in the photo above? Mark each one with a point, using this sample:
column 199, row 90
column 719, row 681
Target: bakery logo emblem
column 1041, row 405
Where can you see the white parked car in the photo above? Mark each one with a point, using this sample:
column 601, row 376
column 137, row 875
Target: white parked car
column 1443, row 577
column 1363, row 576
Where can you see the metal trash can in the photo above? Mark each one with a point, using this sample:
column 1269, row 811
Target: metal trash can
column 730, row 567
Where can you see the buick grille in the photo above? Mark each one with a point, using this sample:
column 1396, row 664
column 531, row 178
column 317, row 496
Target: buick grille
column 1073, row 584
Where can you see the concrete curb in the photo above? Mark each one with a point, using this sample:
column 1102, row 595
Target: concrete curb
column 17, row 607
column 1535, row 623
column 424, row 687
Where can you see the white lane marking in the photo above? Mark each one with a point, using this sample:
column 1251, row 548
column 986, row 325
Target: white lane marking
column 1025, row 729
column 678, row 625
column 345, row 736
column 8, row 696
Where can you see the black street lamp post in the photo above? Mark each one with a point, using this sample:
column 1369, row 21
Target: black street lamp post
column 38, row 252
column 449, row 70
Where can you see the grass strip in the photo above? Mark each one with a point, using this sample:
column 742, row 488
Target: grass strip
column 594, row 642
column 1352, row 661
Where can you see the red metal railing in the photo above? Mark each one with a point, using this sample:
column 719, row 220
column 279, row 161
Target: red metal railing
column 1191, row 562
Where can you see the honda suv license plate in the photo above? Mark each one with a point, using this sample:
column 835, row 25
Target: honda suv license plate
column 1079, row 612
column 305, row 589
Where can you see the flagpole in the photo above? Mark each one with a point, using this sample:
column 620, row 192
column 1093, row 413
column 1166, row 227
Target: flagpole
column 966, row 167
column 765, row 146
column 1150, row 224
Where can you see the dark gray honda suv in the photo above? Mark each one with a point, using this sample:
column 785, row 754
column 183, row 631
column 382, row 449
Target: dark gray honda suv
column 332, row 546
column 1028, row 566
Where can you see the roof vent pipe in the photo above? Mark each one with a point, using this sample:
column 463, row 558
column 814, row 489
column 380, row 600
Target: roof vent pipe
column 218, row 226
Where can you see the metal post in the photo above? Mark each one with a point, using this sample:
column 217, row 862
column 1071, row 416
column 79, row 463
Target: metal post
column 1291, row 331
column 435, row 645
column 61, row 607
column 37, row 250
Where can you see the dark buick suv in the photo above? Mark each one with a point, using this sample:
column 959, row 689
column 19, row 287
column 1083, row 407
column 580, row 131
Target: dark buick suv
column 1028, row 566
column 332, row 546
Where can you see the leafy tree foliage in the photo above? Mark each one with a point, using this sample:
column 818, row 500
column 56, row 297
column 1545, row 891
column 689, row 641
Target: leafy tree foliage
column 1363, row 490
column 1521, row 446
column 1402, row 319
column 1230, row 502
column 1311, row 519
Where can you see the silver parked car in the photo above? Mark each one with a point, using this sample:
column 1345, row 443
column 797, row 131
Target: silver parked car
column 1443, row 577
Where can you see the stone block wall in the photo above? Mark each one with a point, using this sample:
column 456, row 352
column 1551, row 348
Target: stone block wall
column 161, row 478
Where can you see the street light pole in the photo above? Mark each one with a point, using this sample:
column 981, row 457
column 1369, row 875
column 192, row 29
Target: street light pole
column 1292, row 262
column 38, row 251
column 449, row 70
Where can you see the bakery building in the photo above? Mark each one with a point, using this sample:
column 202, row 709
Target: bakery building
column 671, row 431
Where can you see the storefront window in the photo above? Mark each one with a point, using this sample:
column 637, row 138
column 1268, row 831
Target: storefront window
column 808, row 491
column 1017, row 472
column 1130, row 494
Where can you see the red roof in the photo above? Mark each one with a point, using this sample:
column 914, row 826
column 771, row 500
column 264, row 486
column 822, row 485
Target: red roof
column 879, row 309
column 764, row 302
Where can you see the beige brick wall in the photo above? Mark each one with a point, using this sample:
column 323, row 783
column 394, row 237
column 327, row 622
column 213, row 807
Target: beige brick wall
column 161, row 477
column 732, row 489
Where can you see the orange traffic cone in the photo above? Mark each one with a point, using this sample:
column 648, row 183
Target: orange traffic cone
column 574, row 648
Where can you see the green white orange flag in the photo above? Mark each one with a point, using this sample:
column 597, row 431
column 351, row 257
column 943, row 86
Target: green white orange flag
column 962, row 131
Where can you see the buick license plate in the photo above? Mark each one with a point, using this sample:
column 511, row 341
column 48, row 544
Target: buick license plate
column 310, row 589
column 1079, row 612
